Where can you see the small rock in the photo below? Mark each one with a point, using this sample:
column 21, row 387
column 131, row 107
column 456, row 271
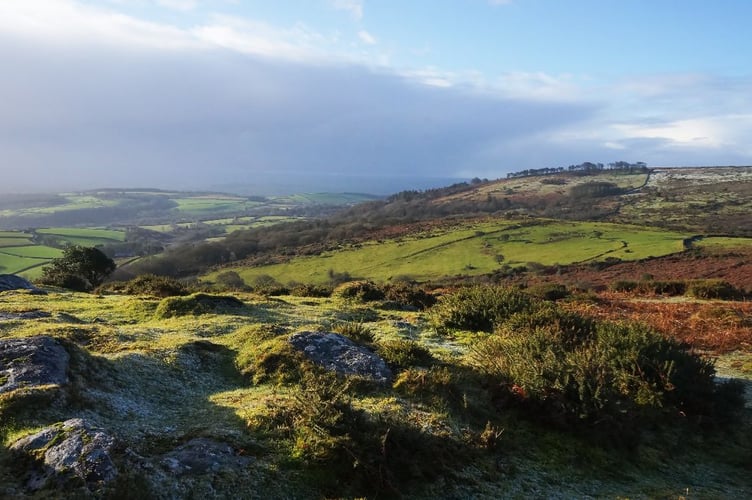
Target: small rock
column 32, row 361
column 13, row 282
column 202, row 456
column 338, row 353
column 71, row 449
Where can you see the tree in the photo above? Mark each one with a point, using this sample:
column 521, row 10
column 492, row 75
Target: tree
column 80, row 268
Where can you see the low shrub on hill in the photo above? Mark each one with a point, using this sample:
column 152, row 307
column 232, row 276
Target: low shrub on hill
column 624, row 286
column 402, row 353
column 408, row 294
column 198, row 303
column 714, row 289
column 355, row 453
column 479, row 308
column 356, row 331
column 658, row 287
column 605, row 377
column 359, row 291
column 148, row 284
column 549, row 291
column 308, row 290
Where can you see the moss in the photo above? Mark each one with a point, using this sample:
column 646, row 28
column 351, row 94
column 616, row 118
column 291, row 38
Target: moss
column 198, row 303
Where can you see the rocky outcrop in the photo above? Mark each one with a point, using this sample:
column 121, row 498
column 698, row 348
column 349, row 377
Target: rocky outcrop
column 203, row 456
column 69, row 450
column 340, row 354
column 13, row 282
column 32, row 362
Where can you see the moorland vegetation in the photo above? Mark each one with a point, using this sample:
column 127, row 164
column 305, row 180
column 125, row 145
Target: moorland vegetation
column 534, row 342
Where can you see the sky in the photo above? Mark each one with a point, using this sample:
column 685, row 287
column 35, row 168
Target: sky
column 363, row 95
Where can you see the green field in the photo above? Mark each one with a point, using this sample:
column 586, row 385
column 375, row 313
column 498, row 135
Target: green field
column 324, row 198
column 229, row 224
column 85, row 233
column 73, row 202
column 723, row 242
column 14, row 239
column 206, row 205
column 478, row 249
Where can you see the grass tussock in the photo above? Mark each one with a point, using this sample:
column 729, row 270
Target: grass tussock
column 196, row 304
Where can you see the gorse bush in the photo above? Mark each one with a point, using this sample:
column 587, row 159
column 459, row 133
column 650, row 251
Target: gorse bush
column 352, row 453
column 355, row 330
column 404, row 353
column 148, row 284
column 573, row 371
column 714, row 289
column 549, row 291
column 358, row 291
column 198, row 303
column 409, row 294
column 479, row 308
column 309, row 290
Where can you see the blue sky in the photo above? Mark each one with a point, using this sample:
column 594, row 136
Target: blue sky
column 343, row 94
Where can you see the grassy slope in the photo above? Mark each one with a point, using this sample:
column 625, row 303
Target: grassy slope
column 146, row 381
column 472, row 249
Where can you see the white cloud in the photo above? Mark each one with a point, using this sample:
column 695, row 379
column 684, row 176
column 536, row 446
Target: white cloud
column 67, row 22
column 354, row 7
column 252, row 37
column 180, row 5
column 366, row 37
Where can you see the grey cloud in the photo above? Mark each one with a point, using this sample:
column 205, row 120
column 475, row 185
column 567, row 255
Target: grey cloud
column 101, row 116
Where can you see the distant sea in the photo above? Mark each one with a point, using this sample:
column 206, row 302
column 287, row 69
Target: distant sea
column 377, row 185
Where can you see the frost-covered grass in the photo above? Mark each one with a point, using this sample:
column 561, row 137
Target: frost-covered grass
column 156, row 382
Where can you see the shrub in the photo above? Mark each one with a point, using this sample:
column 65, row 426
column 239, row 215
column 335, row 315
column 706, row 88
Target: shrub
column 267, row 285
column 359, row 291
column 624, row 286
column 671, row 288
column 549, row 291
column 479, row 308
column 355, row 330
column 714, row 289
column 602, row 376
column 308, row 290
column 353, row 453
column 198, row 303
column 410, row 295
column 149, row 284
column 404, row 353
column 272, row 361
column 231, row 280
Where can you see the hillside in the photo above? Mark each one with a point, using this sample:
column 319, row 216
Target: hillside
column 555, row 336
column 515, row 225
column 203, row 395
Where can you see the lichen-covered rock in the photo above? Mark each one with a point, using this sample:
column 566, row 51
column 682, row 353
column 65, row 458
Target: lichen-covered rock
column 13, row 282
column 69, row 450
column 203, row 456
column 32, row 362
column 338, row 353
column 33, row 314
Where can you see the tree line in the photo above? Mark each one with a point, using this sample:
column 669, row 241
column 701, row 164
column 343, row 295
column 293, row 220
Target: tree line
column 586, row 168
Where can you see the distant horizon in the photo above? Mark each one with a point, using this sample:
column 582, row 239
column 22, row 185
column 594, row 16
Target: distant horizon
column 373, row 186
